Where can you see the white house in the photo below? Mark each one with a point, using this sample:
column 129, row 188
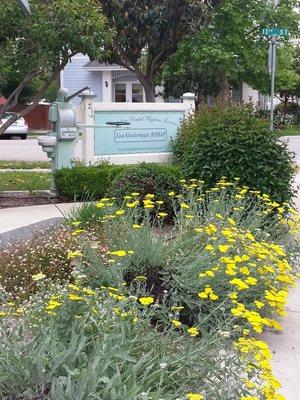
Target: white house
column 109, row 82
column 113, row 83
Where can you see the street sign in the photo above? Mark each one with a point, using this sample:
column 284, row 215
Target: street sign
column 274, row 32
column 25, row 5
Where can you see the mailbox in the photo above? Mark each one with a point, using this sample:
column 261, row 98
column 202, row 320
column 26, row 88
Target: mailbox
column 62, row 118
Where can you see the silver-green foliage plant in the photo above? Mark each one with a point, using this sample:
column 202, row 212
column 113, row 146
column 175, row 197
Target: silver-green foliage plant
column 93, row 349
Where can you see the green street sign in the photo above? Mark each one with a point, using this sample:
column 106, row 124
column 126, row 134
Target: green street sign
column 274, row 32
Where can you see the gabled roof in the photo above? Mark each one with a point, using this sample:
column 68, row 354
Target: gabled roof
column 96, row 66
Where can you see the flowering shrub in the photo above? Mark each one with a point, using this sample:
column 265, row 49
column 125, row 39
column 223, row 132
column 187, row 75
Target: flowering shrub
column 157, row 311
column 46, row 252
column 100, row 343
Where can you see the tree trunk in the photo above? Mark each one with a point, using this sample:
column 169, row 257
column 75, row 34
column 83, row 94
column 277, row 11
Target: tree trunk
column 224, row 89
column 285, row 104
column 147, row 84
column 149, row 92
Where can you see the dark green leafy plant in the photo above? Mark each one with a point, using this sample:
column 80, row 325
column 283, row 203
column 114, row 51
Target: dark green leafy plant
column 235, row 143
column 147, row 179
column 81, row 181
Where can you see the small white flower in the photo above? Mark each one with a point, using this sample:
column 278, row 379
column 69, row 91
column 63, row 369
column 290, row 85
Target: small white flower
column 163, row 365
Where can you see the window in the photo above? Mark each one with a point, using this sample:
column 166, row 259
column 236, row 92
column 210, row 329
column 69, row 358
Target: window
column 128, row 92
column 120, row 93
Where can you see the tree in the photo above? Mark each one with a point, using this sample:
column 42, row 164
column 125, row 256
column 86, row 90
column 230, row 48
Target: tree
column 287, row 79
column 151, row 28
column 34, row 49
column 231, row 48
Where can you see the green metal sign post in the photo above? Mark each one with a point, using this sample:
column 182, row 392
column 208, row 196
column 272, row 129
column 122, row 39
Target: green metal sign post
column 273, row 34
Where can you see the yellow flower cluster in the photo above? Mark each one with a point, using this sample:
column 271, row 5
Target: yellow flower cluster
column 257, row 355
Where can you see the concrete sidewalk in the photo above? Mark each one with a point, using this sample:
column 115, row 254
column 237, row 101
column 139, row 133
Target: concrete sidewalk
column 15, row 218
column 286, row 348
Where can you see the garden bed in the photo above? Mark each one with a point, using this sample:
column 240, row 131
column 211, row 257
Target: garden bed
column 119, row 304
column 24, row 199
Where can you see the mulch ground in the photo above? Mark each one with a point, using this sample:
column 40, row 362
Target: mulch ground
column 24, row 200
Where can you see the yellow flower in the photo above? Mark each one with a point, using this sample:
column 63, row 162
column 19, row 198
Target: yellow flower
column 159, row 202
column 146, row 301
column 194, row 396
column 209, row 247
column 171, row 194
column 74, row 287
column 162, row 214
column 3, row 314
column 75, row 297
column 176, row 323
column 120, row 212
column 132, row 205
column 89, row 292
column 224, row 248
column 118, row 253
column 148, row 206
column 140, row 278
column 135, row 194
column 193, row 331
column 184, row 205
column 76, row 223
column 53, row 304
column 78, row 232
column 250, row 236
column 74, row 254
column 136, row 226
column 38, row 277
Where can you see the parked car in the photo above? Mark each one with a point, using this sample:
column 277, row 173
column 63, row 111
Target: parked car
column 18, row 128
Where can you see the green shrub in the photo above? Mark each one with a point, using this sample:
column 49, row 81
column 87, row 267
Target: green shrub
column 235, row 143
column 81, row 182
column 147, row 179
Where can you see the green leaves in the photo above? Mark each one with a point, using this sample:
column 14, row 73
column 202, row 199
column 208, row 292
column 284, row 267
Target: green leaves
column 235, row 143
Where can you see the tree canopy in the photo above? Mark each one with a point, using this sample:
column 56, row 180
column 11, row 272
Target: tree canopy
column 231, row 48
column 148, row 32
column 34, row 49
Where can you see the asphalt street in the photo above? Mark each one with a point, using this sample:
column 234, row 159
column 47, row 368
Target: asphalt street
column 29, row 150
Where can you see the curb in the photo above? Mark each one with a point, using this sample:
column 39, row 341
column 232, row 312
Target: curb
column 40, row 170
column 42, row 193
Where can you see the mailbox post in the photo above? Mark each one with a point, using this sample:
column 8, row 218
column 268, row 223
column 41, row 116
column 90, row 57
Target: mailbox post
column 59, row 144
column 63, row 127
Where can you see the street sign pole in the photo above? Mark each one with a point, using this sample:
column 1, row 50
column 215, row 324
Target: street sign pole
column 25, row 5
column 273, row 72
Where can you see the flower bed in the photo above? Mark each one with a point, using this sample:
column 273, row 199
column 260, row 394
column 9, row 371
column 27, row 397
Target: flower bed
column 158, row 311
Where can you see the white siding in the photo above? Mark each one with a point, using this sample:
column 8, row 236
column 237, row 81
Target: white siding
column 74, row 77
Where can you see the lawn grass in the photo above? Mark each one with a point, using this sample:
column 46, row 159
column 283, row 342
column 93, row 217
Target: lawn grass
column 25, row 164
column 291, row 130
column 25, row 181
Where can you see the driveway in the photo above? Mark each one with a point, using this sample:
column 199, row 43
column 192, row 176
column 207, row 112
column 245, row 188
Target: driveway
column 27, row 150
